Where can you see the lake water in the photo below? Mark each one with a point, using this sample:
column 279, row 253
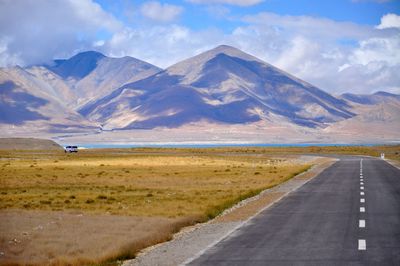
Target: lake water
column 216, row 145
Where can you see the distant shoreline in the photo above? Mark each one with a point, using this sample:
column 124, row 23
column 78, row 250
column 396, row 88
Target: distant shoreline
column 222, row 145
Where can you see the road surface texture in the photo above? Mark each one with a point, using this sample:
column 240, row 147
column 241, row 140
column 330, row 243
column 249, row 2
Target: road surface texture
column 348, row 215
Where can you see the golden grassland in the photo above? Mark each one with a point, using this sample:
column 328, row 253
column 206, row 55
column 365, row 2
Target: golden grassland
column 126, row 192
column 391, row 151
column 149, row 185
column 173, row 184
column 151, row 181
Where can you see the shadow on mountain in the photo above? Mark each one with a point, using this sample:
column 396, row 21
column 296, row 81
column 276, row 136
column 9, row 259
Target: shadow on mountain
column 186, row 105
column 225, row 87
column 77, row 66
column 15, row 106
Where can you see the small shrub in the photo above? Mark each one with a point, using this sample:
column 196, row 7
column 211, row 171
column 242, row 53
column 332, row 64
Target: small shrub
column 67, row 201
column 89, row 201
column 102, row 197
column 47, row 202
column 72, row 197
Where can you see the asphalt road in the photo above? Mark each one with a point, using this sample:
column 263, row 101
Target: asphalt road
column 348, row 215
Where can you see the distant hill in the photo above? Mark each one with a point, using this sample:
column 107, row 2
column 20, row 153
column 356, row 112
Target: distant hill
column 28, row 144
column 370, row 99
column 223, row 85
column 93, row 95
column 91, row 75
column 45, row 97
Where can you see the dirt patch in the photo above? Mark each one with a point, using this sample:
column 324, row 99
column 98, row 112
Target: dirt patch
column 320, row 165
column 51, row 238
column 251, row 208
column 28, row 144
column 394, row 163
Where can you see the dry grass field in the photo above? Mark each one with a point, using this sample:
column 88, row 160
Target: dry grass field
column 76, row 238
column 144, row 184
column 99, row 206
column 176, row 186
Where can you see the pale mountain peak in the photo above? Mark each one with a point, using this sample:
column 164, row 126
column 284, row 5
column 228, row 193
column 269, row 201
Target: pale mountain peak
column 193, row 66
column 89, row 54
column 77, row 66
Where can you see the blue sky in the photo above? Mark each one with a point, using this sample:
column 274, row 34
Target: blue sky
column 198, row 16
column 339, row 46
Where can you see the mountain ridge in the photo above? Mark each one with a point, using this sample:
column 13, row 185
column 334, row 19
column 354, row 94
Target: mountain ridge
column 220, row 81
column 74, row 81
column 221, row 87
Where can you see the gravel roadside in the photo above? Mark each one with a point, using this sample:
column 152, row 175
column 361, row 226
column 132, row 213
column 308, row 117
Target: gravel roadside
column 191, row 242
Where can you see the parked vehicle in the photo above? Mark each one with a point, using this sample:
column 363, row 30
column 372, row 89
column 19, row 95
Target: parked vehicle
column 71, row 149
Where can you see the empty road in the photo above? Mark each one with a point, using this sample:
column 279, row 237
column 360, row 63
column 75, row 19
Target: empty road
column 348, row 215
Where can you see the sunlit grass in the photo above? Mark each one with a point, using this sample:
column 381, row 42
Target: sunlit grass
column 177, row 183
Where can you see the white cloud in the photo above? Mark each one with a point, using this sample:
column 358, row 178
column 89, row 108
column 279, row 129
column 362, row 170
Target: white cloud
column 160, row 12
column 377, row 50
column 310, row 26
column 34, row 31
column 389, row 21
column 161, row 45
column 229, row 2
column 335, row 56
column 218, row 11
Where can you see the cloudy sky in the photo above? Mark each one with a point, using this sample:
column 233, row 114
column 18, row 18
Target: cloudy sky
column 339, row 46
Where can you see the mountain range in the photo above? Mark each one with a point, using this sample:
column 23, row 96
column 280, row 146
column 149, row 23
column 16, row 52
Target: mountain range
column 92, row 93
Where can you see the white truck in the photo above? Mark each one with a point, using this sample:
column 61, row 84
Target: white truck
column 70, row 149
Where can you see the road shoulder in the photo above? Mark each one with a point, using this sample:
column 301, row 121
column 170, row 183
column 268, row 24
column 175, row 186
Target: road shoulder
column 393, row 163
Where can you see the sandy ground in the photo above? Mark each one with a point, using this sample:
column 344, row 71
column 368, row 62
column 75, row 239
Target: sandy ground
column 192, row 241
column 394, row 163
column 45, row 237
column 348, row 131
column 28, row 144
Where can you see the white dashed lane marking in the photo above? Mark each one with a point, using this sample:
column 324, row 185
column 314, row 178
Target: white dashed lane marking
column 361, row 223
column 362, row 244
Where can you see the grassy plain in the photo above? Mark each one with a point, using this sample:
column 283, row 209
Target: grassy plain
column 166, row 188
column 151, row 182
column 169, row 184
